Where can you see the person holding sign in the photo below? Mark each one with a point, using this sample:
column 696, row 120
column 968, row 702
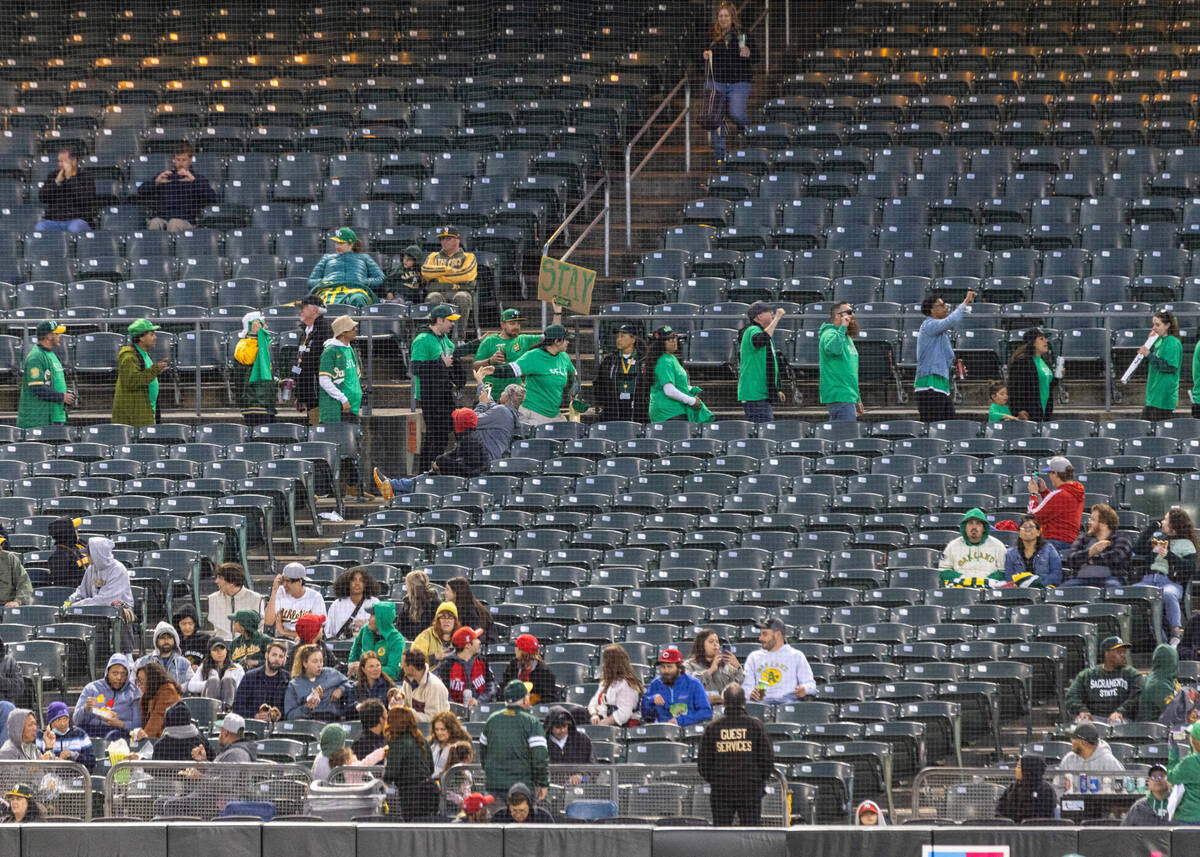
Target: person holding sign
column 504, row 347
column 548, row 374
column 672, row 397
column 455, row 267
column 1165, row 357
column 434, row 376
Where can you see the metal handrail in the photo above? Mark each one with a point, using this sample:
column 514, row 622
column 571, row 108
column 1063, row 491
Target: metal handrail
column 604, row 184
column 631, row 174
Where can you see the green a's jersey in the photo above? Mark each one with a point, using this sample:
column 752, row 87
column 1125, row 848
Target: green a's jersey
column 545, row 375
column 42, row 368
column 340, row 363
column 428, row 346
column 514, row 350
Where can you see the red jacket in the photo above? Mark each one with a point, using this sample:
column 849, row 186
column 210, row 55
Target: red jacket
column 1060, row 511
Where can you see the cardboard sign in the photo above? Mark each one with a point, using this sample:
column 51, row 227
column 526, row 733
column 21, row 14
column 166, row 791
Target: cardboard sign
column 567, row 285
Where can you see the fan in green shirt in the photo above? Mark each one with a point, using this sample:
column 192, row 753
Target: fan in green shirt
column 341, row 386
column 427, row 346
column 507, row 346
column 672, row 395
column 44, row 396
column 547, row 372
column 1164, row 357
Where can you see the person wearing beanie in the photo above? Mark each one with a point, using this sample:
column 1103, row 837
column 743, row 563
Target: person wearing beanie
column 512, row 748
column 12, row 680
column 437, row 641
column 347, row 275
column 192, row 641
column 1030, row 795
column 1184, row 772
column 63, row 741
column 564, row 742
column 736, row 758
column 468, row 458
column 69, row 557
column 404, row 283
column 249, row 645
column 519, row 809
column 759, row 367
column 309, row 630
column 452, row 266
column 116, row 694
column 16, row 589
column 181, row 740
column 976, row 557
column 1112, row 689
column 674, row 696
column 135, row 401
column 467, row 675
column 289, row 600
column 332, row 738
column 167, row 654
column 315, row 330
column 1153, row 810
column 379, row 635
column 1089, row 752
column 435, row 373
column 233, row 595
column 527, row 666
column 251, row 372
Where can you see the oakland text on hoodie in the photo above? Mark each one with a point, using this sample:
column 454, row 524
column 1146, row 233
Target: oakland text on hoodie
column 177, row 666
column 14, row 747
column 105, row 580
column 979, row 562
column 123, row 702
column 1059, row 511
column 249, row 648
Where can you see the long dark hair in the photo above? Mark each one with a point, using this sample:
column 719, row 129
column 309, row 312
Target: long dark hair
column 656, row 349
column 210, row 664
column 156, row 678
column 372, row 588
column 1182, row 526
column 362, row 676
column 464, row 597
column 1040, row 540
column 697, row 654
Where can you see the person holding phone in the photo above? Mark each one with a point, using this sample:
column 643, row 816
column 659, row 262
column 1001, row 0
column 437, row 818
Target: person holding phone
column 135, row 401
column 713, row 663
column 730, row 56
column 1056, row 500
column 935, row 357
column 177, row 196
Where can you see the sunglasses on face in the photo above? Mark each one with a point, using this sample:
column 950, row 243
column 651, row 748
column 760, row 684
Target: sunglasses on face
column 846, row 312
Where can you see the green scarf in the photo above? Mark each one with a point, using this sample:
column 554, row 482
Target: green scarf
column 152, row 387
column 261, row 368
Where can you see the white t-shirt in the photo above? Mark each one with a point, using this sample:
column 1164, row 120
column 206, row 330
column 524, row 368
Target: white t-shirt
column 289, row 609
column 781, row 671
column 339, row 612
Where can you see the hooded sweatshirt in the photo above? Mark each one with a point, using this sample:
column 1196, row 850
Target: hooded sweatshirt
column 179, row 736
column 250, row 647
column 12, row 680
column 68, row 559
column 1031, row 796
column 105, row 580
column 967, row 563
column 1059, row 511
column 1101, row 760
column 838, row 365
column 575, row 749
column 14, row 749
column 177, row 666
column 194, row 646
column 15, row 584
column 686, row 701
column 870, row 806
column 124, row 703
column 387, row 642
column 1162, row 683
column 537, row 815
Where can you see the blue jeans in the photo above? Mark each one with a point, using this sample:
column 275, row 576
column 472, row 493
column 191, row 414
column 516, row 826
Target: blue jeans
column 75, row 225
column 843, row 412
column 403, row 485
column 1172, row 592
column 1093, row 581
column 760, row 411
column 736, row 95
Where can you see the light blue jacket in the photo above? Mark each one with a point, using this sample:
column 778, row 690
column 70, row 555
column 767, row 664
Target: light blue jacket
column 301, row 686
column 1047, row 564
column 935, row 354
column 126, row 701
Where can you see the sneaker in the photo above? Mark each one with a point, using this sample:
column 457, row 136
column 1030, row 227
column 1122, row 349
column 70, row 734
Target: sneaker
column 384, row 485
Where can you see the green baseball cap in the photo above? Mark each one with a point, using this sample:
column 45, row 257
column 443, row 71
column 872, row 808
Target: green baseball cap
column 47, row 327
column 556, row 331
column 142, row 325
column 1194, row 730
column 511, row 315
column 345, row 235
column 515, row 691
column 1113, row 642
column 449, row 311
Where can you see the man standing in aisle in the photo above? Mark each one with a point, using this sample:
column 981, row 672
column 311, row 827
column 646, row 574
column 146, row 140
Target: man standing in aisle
column 435, row 373
column 512, row 748
column 44, row 395
column 507, row 346
column 317, row 330
column 455, row 267
column 839, row 365
column 758, row 369
column 935, row 357
column 737, row 759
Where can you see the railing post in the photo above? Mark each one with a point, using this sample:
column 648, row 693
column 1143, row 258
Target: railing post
column 370, row 362
column 767, row 35
column 197, row 358
column 1108, row 368
column 628, row 201
column 787, row 22
column 687, row 127
column 607, row 225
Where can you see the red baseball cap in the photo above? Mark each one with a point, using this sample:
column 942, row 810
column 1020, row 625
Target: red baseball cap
column 463, row 636
column 670, row 656
column 527, row 643
column 474, row 802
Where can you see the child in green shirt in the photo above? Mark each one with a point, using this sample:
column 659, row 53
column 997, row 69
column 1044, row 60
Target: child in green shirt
column 998, row 393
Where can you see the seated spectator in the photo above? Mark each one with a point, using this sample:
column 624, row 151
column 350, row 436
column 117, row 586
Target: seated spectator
column 260, row 696
column 309, row 630
column 1058, row 505
column 167, row 655
column 347, row 275
column 475, row 809
column 1032, row 561
column 435, row 641
column 777, row 673
column 159, row 693
column 316, row 692
column 12, row 680
column 471, row 611
column 21, row 807
column 69, row 197
column 420, row 689
column 519, row 808
column 527, row 666
column 566, row 744
column 290, row 599
column 869, row 814
column 714, row 665
column 15, row 586
column 1162, row 683
column 404, row 284
column 373, row 716
column 1089, row 752
column 249, row 646
column 105, row 580
column 113, row 694
column 615, row 702
column 63, row 741
column 354, row 591
column 181, row 741
column 1100, row 557
column 409, row 766
column 1186, row 772
column 451, row 266
column 233, row 595
column 20, row 737
column 177, row 196
column 674, row 696
column 1168, row 550
column 193, row 643
column 467, row 676
column 373, row 682
column 975, row 558
column 1030, row 795
column 233, row 745
column 419, row 606
column 468, row 458
column 68, row 559
column 1111, row 690
column 218, row 676
column 499, row 422
column 1151, row 810
column 331, row 740
column 379, row 635
column 447, row 732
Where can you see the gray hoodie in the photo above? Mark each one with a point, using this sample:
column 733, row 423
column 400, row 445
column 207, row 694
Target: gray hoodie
column 105, row 580
column 177, row 666
column 13, row 749
column 1101, row 760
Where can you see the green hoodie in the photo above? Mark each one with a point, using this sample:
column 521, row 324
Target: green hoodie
column 967, row 563
column 839, row 365
column 1162, row 683
column 388, row 643
column 249, row 648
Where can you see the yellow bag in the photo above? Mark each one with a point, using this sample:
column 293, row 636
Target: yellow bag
column 246, row 351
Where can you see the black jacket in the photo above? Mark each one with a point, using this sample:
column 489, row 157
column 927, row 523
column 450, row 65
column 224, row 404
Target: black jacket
column 367, row 743
column 607, row 388
column 1031, row 796
column 1115, row 557
column 544, row 687
column 736, row 753
column 1181, row 569
column 468, row 458
column 74, row 198
column 729, row 66
column 310, row 361
column 578, row 747
column 410, row 628
column 1023, row 393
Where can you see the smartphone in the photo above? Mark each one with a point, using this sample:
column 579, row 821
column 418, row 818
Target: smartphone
column 727, row 649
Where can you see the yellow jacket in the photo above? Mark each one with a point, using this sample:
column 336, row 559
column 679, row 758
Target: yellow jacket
column 458, row 270
column 430, row 644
